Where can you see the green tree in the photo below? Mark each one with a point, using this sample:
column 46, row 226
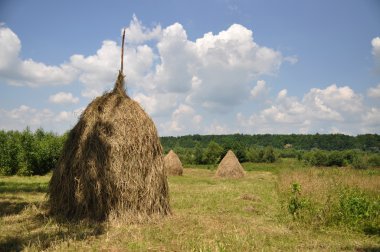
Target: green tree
column 212, row 153
column 198, row 154
column 269, row 155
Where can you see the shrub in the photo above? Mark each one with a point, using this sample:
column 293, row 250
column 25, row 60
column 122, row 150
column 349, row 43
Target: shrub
column 269, row 156
column 359, row 162
column 357, row 209
column 336, row 158
column 374, row 159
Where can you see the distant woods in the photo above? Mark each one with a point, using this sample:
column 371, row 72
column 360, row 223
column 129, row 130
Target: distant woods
column 36, row 152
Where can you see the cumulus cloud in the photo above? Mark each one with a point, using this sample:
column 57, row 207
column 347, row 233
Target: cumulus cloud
column 21, row 117
column 178, row 59
column 63, row 97
column 136, row 32
column 259, row 89
column 183, row 119
column 157, row 104
column 320, row 110
column 228, row 62
column 374, row 91
column 19, row 72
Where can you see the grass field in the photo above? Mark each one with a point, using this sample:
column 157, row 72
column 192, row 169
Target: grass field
column 209, row 214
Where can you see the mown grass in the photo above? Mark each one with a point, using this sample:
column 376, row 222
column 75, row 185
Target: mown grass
column 209, row 214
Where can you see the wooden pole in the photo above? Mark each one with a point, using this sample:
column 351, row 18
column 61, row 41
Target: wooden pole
column 122, row 52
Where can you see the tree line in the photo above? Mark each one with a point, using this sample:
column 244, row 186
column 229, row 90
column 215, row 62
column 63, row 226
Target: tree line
column 366, row 142
column 36, row 153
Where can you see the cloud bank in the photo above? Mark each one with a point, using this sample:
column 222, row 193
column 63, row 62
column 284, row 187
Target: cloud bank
column 213, row 84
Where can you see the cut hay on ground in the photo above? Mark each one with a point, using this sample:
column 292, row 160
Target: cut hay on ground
column 172, row 164
column 111, row 164
column 230, row 167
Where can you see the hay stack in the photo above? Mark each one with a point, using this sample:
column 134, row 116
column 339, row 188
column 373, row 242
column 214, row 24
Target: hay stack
column 172, row 164
column 111, row 164
column 230, row 167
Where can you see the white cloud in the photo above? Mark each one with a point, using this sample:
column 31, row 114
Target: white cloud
column 16, row 71
column 217, row 128
column 137, row 33
column 157, row 104
column 63, row 97
column 227, row 63
column 291, row 59
column 99, row 71
column 21, row 117
column 332, row 101
column 376, row 47
column 376, row 52
column 282, row 94
column 374, row 91
column 320, row 110
column 259, row 89
column 183, row 120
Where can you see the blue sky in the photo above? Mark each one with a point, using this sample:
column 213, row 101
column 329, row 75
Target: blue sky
column 205, row 67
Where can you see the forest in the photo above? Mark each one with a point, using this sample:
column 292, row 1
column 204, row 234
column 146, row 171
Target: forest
column 36, row 152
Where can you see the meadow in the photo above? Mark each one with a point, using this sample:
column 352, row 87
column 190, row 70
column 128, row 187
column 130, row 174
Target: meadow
column 281, row 206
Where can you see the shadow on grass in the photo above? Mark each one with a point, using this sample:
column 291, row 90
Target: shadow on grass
column 371, row 230
column 8, row 207
column 368, row 249
column 32, row 229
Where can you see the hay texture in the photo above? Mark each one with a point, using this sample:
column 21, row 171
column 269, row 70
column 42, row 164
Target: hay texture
column 111, row 164
column 172, row 164
column 230, row 167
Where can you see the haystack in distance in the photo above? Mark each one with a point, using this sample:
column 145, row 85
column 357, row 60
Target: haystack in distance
column 172, row 164
column 111, row 164
column 230, row 167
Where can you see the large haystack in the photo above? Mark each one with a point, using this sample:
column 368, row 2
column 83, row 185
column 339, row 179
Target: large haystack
column 172, row 164
column 230, row 167
column 111, row 164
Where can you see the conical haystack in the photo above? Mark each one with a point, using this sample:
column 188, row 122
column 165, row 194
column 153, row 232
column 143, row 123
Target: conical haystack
column 172, row 164
column 111, row 164
column 230, row 167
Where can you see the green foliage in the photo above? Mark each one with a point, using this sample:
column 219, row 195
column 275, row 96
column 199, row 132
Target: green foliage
column 345, row 206
column 359, row 162
column 198, row 154
column 27, row 153
column 295, row 203
column 269, row 155
column 374, row 159
column 212, row 153
column 355, row 158
column 356, row 208
column 368, row 142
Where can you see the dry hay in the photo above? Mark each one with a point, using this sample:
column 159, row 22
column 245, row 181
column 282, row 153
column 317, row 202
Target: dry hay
column 172, row 164
column 230, row 167
column 111, row 164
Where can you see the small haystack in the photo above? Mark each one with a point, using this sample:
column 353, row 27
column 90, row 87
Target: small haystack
column 172, row 164
column 111, row 164
column 230, row 167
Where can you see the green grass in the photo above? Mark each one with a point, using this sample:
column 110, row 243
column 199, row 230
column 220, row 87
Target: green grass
column 209, row 214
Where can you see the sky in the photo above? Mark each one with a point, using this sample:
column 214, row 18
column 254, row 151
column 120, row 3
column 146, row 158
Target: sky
column 196, row 67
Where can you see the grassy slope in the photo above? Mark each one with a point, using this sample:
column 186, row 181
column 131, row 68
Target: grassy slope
column 209, row 214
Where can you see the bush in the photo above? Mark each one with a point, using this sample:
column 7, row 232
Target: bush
column 359, row 162
column 357, row 209
column 269, row 156
column 374, row 160
column 336, row 158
